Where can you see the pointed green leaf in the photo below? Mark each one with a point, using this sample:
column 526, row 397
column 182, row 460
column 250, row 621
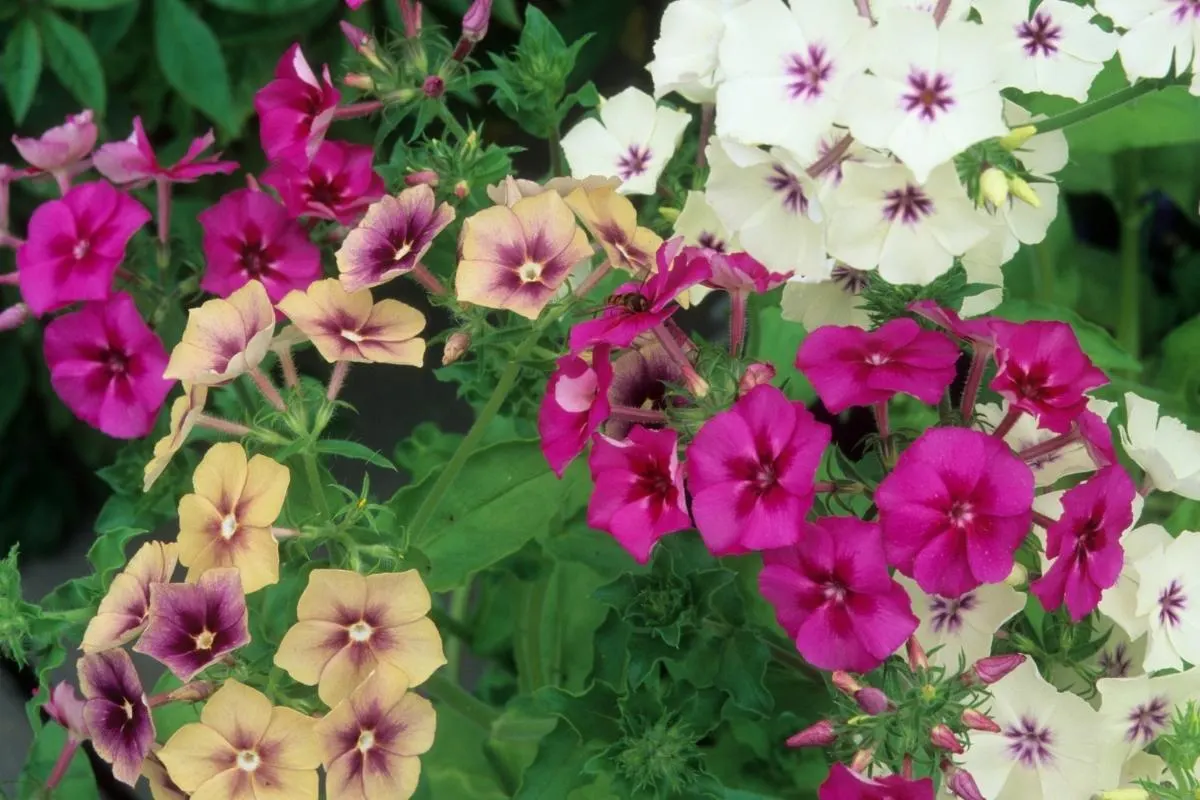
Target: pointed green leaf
column 73, row 61
column 355, row 450
column 22, row 67
column 191, row 60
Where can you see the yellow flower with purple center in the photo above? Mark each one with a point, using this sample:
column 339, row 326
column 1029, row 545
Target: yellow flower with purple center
column 349, row 624
column 516, row 257
column 227, row 521
column 117, row 715
column 224, row 338
column 392, row 238
column 371, row 742
column 184, row 412
column 122, row 613
column 243, row 748
column 161, row 785
column 350, row 326
column 612, row 220
column 192, row 625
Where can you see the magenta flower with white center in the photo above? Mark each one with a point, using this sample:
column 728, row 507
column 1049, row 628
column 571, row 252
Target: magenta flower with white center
column 574, row 407
column 751, row 471
column 852, row 367
column 60, row 149
column 106, row 365
column 117, row 715
column 392, row 238
column 955, row 509
column 833, row 595
column 192, row 625
column 249, row 236
column 337, row 184
column 638, row 495
column 75, row 245
column 134, row 162
column 295, row 109
column 844, row 783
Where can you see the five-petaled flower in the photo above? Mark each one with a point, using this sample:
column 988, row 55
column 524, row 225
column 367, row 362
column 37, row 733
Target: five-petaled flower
column 392, row 238
column 337, row 184
column 186, row 409
column 349, row 326
column 575, row 406
column 116, row 713
column 123, row 610
column 844, row 783
column 224, row 338
column 295, row 110
column 612, row 220
column 133, row 161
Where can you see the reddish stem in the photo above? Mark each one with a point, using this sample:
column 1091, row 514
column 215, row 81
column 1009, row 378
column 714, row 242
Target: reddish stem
column 423, row 276
column 638, row 416
column 832, row 157
column 696, row 384
column 737, row 321
column 222, row 425
column 355, row 110
column 1007, row 423
column 881, row 419
column 593, row 278
column 864, row 10
column 284, row 533
column 268, row 389
column 940, row 11
column 8, row 240
column 64, row 761
column 979, row 362
column 1041, row 519
column 163, row 195
column 708, row 113
column 10, row 278
column 291, row 376
column 1049, row 446
column 337, row 380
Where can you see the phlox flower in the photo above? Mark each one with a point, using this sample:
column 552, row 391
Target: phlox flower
column 844, row 783
column 640, row 376
column 371, row 742
column 243, row 748
column 929, row 94
column 1160, row 36
column 349, row 326
column 955, row 509
column 1070, row 459
column 835, row 299
column 248, row 236
column 75, row 244
column 392, row 238
column 633, row 140
column 1054, row 50
column 1051, row 745
column 516, row 257
column 984, row 261
column 66, row 707
column 852, row 367
column 772, row 204
column 961, row 627
column 1136, row 711
column 510, row 190
column 833, row 595
column 60, row 149
column 1163, row 446
column 106, row 365
column 190, row 626
column 186, row 409
column 161, row 785
column 134, row 162
column 348, row 624
column 226, row 521
column 685, row 52
column 117, row 715
column 1042, row 370
column 337, row 184
column 740, row 275
column 575, row 406
column 1085, row 543
column 751, row 471
column 611, row 219
column 295, row 109
column 785, row 71
column 1120, row 603
column 882, row 218
column 638, row 495
column 1167, row 594
column 121, row 615
column 224, row 338
column 699, row 226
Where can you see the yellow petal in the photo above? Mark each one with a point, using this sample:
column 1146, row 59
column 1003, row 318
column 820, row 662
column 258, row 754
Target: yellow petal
column 391, row 320
column 286, row 784
column 415, row 648
column 199, row 526
column 399, row 781
column 344, row 672
column 221, row 475
column 119, row 617
column 232, row 784
column 394, row 598
column 184, row 412
column 420, row 725
column 410, row 353
column 328, row 591
column 307, row 647
column 291, row 741
column 256, row 556
column 238, row 713
column 332, row 730
column 195, row 754
column 161, row 785
column 263, row 495
column 154, row 562
column 546, row 218
column 491, row 232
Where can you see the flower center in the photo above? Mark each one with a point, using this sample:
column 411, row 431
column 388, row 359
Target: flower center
column 961, row 514
column 633, row 162
column 530, row 271
column 360, row 632
column 1148, row 719
column 852, row 281
column 229, row 526
column 785, row 183
column 808, row 72
column 1030, row 743
column 928, row 95
column 877, row 359
column 116, row 362
column 248, row 760
column 1040, row 35
column 322, row 191
column 835, row 591
column 366, row 740
column 254, row 259
column 81, row 249
column 764, row 478
column 908, row 205
column 351, row 336
column 402, row 251
column 1187, row 8
column 1115, row 664
column 709, row 241
column 946, row 614
column 127, row 707
column 205, row 640
column 1171, row 601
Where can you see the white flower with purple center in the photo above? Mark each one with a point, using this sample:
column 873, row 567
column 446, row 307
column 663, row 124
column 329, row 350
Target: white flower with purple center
column 769, row 201
column 835, row 300
column 784, row 71
column 1055, row 50
column 1073, row 459
column 887, row 220
column 1120, row 603
column 958, row 9
column 1160, row 34
column 685, row 53
column 930, row 95
column 1050, row 745
column 1136, row 711
column 1168, row 597
column 633, row 140
column 961, row 628
column 700, row 226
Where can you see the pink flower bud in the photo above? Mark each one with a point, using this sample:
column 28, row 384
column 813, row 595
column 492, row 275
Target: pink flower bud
column 357, row 80
column 978, row 721
column 475, row 21
column 872, row 701
column 425, row 177
column 456, row 345
column 14, row 317
column 819, row 734
column 845, row 683
column 461, row 189
column 756, row 374
column 862, row 759
column 941, row 736
column 433, row 87
column 410, row 16
column 962, row 785
column 193, row 692
column 916, row 655
column 993, row 668
column 357, row 37
column 60, row 147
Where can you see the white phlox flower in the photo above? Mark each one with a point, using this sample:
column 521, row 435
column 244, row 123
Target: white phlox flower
column 1168, row 597
column 1135, row 711
column 1072, row 459
column 1120, row 602
column 1159, row 34
column 1164, row 447
column 685, row 53
column 699, row 226
column 837, row 299
column 1042, row 155
column 961, row 628
column 984, row 264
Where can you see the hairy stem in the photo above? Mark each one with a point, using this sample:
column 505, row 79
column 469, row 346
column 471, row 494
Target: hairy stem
column 1007, row 423
column 64, row 761
column 707, row 115
column 430, row 281
column 737, row 322
column 222, row 425
column 1104, row 104
column 979, row 361
column 832, row 157
column 638, row 416
column 1128, row 184
column 313, row 472
column 268, row 389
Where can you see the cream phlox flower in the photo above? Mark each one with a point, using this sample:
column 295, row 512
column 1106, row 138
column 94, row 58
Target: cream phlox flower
column 835, row 300
column 685, row 53
column 785, row 71
column 958, row 9
column 699, row 226
column 984, row 264
column 1072, row 459
column 1120, row 603
column 1135, row 711
column 633, row 140
column 1168, row 596
column 931, row 92
column 1163, row 446
column 1160, row 34
column 961, row 628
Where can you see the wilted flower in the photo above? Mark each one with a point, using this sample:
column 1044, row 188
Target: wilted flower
column 116, row 712
column 574, row 406
column 190, row 626
column 224, row 338
column 295, row 109
column 184, row 412
column 348, row 326
column 350, row 623
column 60, row 149
column 122, row 613
column 337, row 184
column 612, row 221
column 133, row 161
column 392, row 238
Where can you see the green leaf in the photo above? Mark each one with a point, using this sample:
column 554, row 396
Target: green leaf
column 78, row 783
column 268, row 7
column 89, row 5
column 107, row 554
column 1180, row 370
column 191, row 61
column 347, row 449
column 22, row 68
column 557, row 769
column 743, row 665
column 1098, row 343
column 12, row 391
column 73, row 61
column 107, row 28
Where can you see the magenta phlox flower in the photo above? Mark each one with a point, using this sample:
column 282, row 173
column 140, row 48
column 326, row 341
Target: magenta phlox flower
column 295, row 109
column 1085, row 543
column 740, row 273
column 575, row 406
column 106, row 365
column 117, row 715
column 249, row 236
column 337, row 184
column 852, row 367
column 1097, row 438
column 955, row 509
column 134, row 162
column 1043, row 371
column 844, row 783
column 61, row 149
column 833, row 595
column 751, row 471
column 75, row 244
column 638, row 495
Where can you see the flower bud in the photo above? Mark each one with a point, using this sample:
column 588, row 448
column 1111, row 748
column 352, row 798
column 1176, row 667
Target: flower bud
column 819, row 734
column 356, row 80
column 475, row 21
column 433, row 87
column 941, row 736
column 961, row 784
column 426, row 176
column 993, row 186
column 862, row 759
column 669, row 214
column 456, row 345
column 756, row 374
column 357, row 37
column 978, row 721
column 461, row 189
column 872, row 701
column 845, row 683
column 1018, row 137
column 992, row 668
column 193, row 692
column 1131, row 793
column 410, row 17
column 916, row 654
column 1018, row 577
column 1023, row 191
column 14, row 317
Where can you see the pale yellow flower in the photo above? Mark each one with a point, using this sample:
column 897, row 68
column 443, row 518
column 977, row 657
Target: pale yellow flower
column 224, row 338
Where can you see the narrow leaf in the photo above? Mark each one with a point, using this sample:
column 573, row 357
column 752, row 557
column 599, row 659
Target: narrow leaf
column 345, row 449
column 22, row 67
column 73, row 61
column 191, row 60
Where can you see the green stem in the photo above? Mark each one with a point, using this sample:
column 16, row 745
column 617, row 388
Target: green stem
column 529, row 636
column 470, row 707
column 1044, row 275
column 459, row 598
column 556, row 166
column 1104, row 104
column 313, row 472
column 1128, row 183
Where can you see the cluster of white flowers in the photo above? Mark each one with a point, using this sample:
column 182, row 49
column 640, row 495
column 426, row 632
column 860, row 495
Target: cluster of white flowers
column 836, row 124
